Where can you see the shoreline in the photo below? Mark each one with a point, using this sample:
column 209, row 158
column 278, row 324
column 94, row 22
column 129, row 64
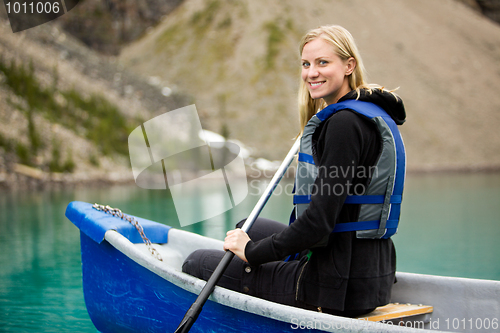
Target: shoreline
column 23, row 177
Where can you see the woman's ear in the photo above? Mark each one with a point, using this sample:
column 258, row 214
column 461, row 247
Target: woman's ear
column 350, row 65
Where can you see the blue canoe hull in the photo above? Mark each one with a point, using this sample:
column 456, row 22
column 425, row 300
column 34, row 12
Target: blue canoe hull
column 123, row 296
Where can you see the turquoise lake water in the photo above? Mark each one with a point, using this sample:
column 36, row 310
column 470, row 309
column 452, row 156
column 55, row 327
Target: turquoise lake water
column 450, row 225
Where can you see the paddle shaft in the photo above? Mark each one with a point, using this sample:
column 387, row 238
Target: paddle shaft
column 195, row 309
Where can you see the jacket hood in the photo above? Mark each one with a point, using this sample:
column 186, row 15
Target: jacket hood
column 392, row 105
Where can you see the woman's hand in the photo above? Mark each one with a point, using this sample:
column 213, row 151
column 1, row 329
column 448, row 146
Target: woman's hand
column 235, row 241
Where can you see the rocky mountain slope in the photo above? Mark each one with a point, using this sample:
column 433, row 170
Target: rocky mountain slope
column 239, row 60
column 66, row 111
column 107, row 25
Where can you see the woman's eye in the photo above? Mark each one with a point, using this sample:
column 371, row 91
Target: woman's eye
column 323, row 62
column 305, row 64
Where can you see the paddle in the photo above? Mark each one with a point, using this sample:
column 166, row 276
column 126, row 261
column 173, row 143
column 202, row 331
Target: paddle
column 195, row 309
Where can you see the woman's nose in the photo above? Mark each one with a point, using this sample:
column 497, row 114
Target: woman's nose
column 313, row 72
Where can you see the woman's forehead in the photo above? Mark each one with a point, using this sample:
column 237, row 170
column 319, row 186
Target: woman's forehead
column 318, row 48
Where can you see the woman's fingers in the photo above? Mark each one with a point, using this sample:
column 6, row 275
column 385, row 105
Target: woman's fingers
column 235, row 241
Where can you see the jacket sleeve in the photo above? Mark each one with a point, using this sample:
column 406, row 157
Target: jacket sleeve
column 339, row 148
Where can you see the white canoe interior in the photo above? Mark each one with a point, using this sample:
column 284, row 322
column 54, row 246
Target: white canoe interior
column 460, row 305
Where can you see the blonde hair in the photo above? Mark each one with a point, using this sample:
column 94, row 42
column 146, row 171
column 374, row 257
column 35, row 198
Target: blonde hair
column 345, row 48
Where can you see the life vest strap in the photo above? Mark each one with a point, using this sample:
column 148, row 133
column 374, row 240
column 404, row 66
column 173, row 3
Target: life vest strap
column 372, row 199
column 353, row 199
column 301, row 199
column 303, row 157
column 363, row 225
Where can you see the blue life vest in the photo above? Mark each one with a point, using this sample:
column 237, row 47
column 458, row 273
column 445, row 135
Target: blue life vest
column 381, row 201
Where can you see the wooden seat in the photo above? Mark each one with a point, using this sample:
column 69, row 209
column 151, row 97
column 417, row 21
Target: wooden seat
column 396, row 311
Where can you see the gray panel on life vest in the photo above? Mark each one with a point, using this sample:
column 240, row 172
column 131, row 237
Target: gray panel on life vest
column 308, row 172
column 303, row 186
column 385, row 169
column 306, row 142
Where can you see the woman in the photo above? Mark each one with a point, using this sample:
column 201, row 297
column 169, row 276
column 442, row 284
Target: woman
column 333, row 264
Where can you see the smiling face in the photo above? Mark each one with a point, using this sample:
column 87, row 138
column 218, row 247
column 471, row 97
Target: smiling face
column 324, row 72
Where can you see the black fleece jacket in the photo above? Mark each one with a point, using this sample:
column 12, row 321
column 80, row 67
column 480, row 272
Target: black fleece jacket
column 348, row 273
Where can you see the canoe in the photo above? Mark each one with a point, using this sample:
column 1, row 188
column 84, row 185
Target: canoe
column 127, row 289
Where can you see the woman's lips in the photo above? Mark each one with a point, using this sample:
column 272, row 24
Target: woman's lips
column 316, row 84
